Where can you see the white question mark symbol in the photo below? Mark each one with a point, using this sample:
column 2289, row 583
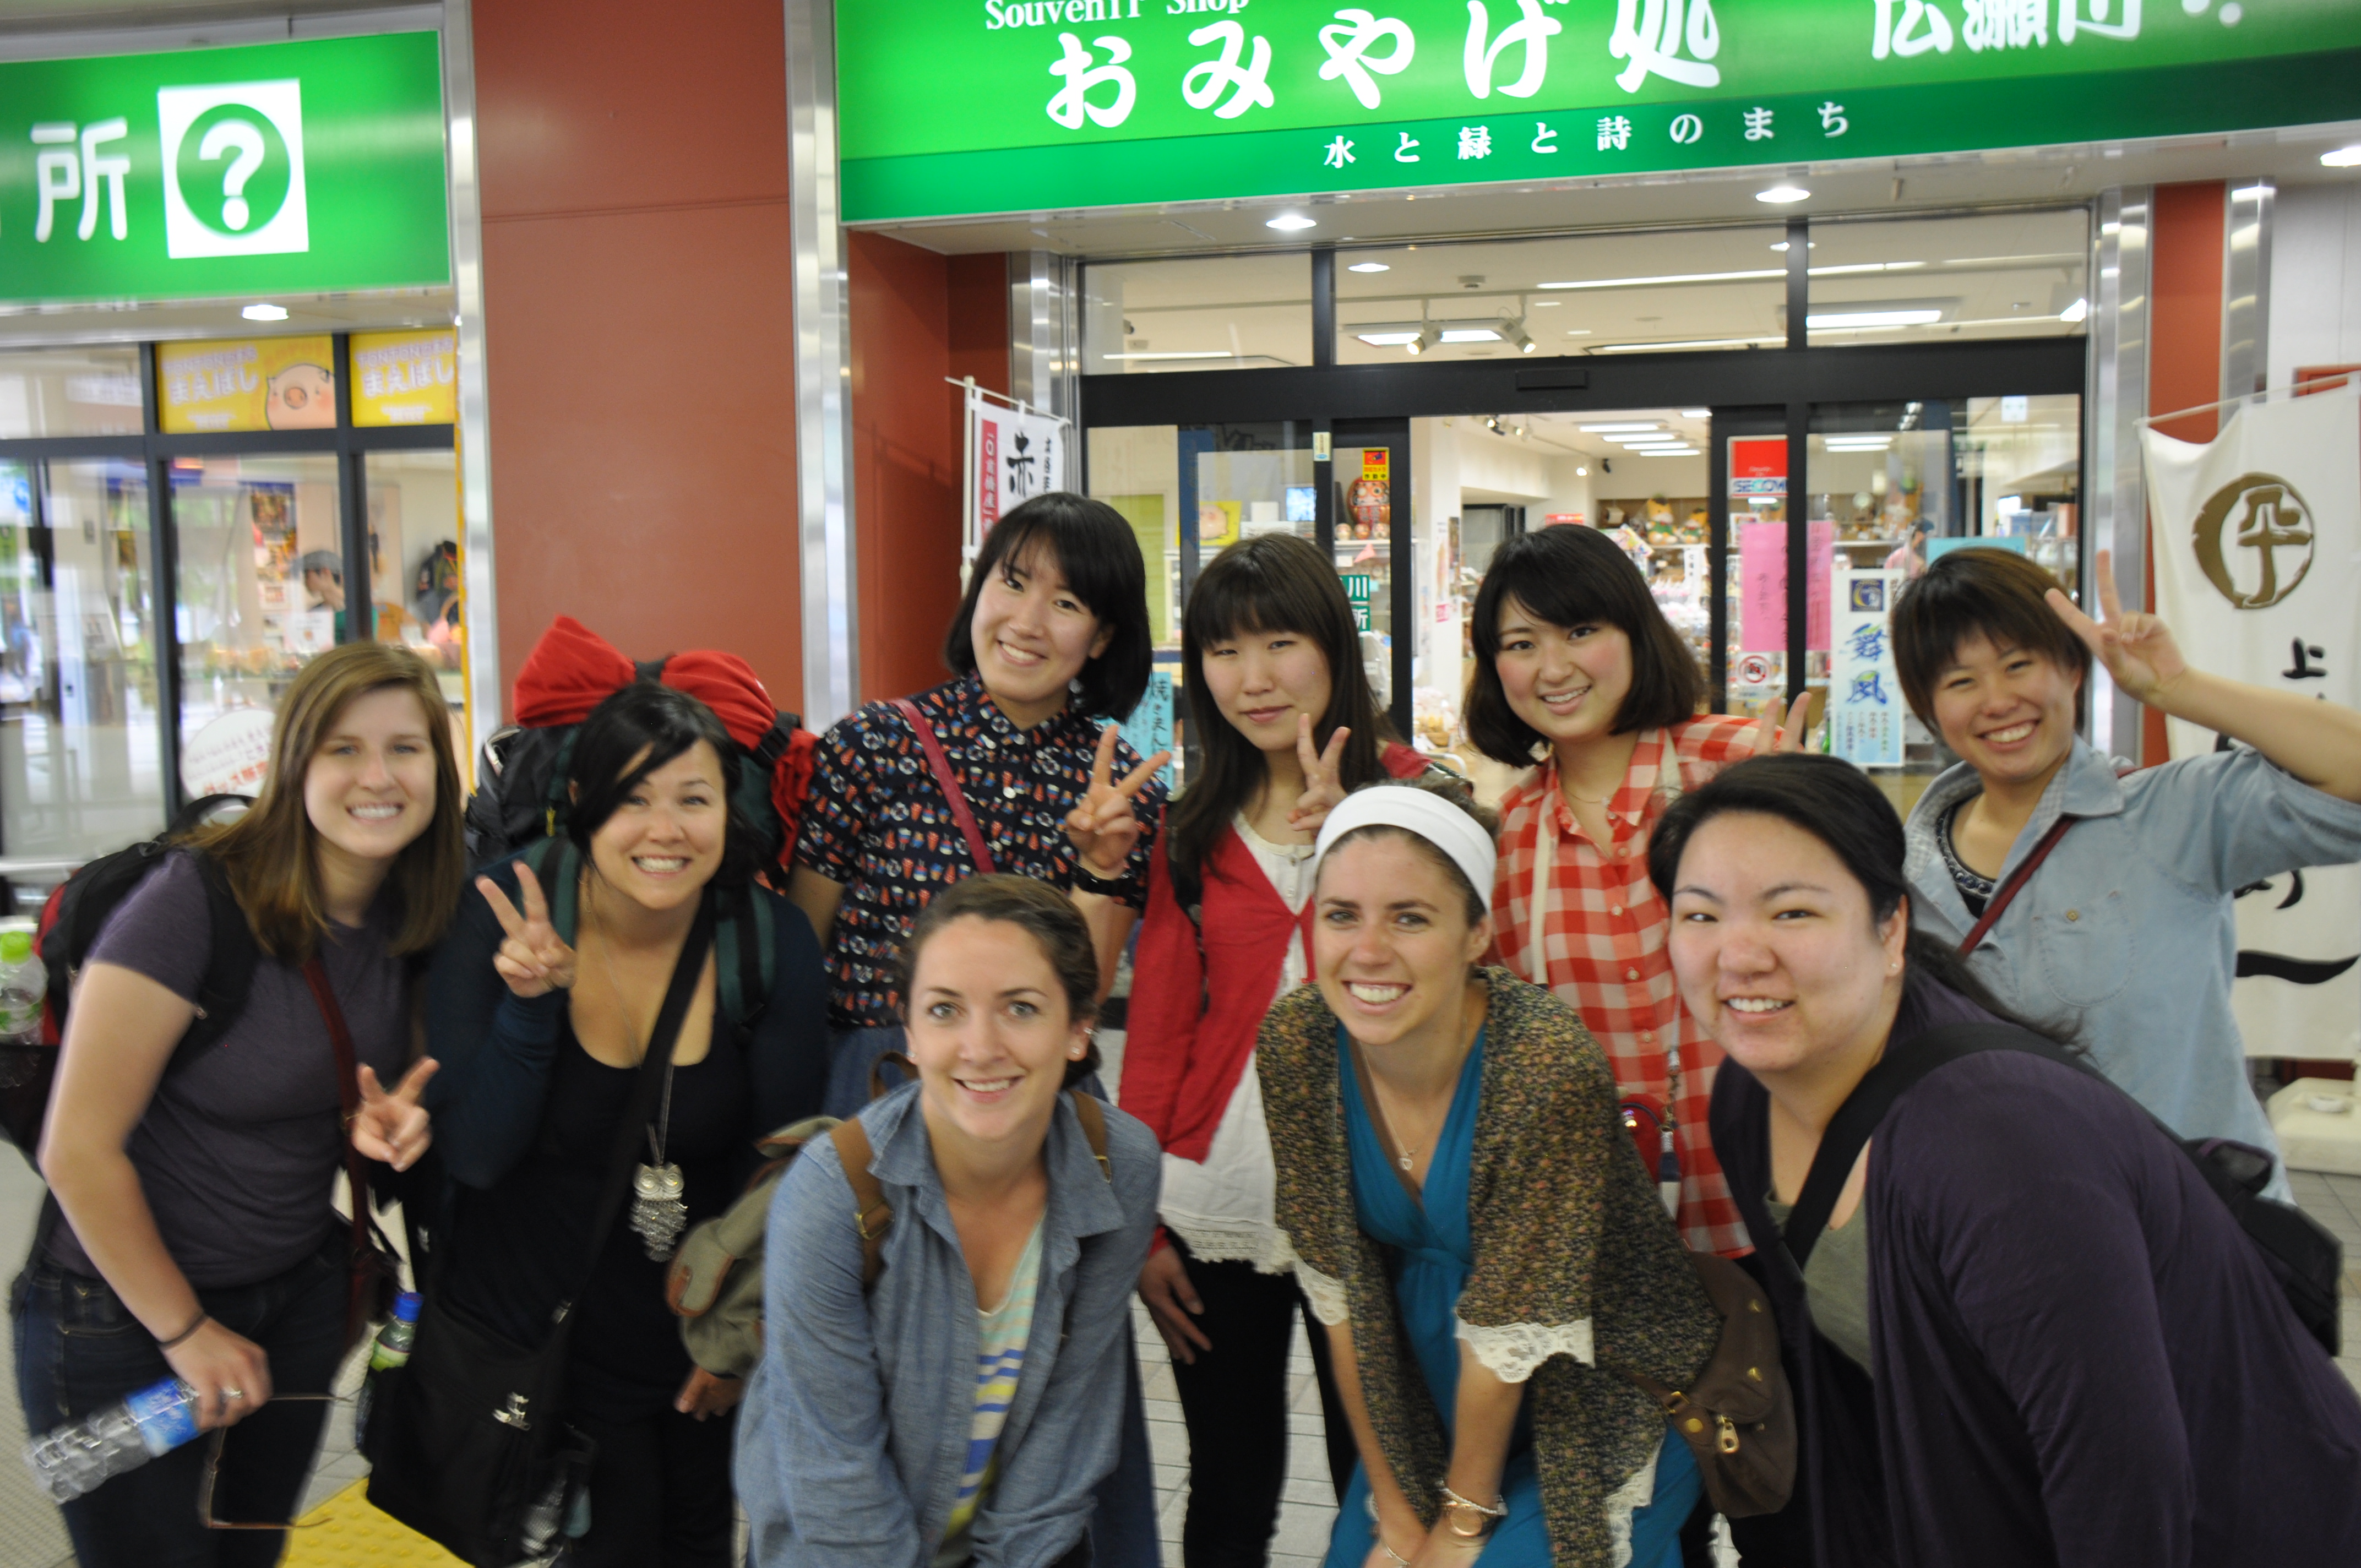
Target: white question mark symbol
column 244, row 136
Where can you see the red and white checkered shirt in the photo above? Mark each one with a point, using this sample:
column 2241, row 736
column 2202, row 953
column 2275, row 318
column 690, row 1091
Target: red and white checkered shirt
column 1604, row 945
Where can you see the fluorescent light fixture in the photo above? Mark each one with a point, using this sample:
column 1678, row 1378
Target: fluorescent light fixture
column 1546, row 304
column 1368, row 267
column 1696, row 413
column 1471, row 335
column 1190, row 354
column 1784, row 195
column 1290, row 222
column 1853, row 267
column 2076, row 311
column 2344, row 157
column 1669, row 278
column 1692, row 342
column 1840, row 319
column 1386, row 339
column 1666, row 452
column 1808, row 245
column 264, row 313
column 1620, row 429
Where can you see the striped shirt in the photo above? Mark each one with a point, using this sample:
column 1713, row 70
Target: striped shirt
column 1604, row 951
column 1000, row 1337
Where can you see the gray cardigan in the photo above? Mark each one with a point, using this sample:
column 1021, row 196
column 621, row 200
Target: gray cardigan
column 856, row 1425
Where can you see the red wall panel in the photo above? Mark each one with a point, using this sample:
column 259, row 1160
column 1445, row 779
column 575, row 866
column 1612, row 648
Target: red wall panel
column 2184, row 367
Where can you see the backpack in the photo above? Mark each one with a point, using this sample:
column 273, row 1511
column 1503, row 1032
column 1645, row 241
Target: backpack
column 71, row 918
column 720, row 1304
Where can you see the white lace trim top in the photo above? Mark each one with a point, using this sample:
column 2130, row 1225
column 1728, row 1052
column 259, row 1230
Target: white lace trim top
column 1513, row 1351
column 1326, row 1291
column 1635, row 1494
column 1222, row 1206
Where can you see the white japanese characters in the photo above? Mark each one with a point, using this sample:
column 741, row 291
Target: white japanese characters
column 1531, row 32
column 1348, row 40
column 1649, row 33
column 73, row 168
column 1071, row 103
column 1615, row 132
column 1245, row 84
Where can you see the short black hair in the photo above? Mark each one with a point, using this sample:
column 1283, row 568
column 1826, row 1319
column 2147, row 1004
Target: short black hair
column 1045, row 914
column 1567, row 576
column 661, row 722
column 1997, row 595
column 1098, row 555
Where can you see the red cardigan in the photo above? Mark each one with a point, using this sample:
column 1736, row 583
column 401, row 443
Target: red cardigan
column 1196, row 1005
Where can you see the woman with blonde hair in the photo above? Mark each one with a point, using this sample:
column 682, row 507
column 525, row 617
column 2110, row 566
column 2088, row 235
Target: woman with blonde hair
column 195, row 1238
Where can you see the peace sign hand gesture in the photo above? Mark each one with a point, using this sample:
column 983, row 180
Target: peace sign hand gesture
column 2138, row 649
column 533, row 959
column 1103, row 828
column 1771, row 735
column 1322, row 788
column 393, row 1127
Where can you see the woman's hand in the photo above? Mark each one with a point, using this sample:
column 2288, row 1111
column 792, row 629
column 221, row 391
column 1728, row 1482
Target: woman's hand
column 2138, row 649
column 1103, row 828
column 1771, row 735
column 707, row 1394
column 393, row 1127
column 533, row 959
column 1164, row 1287
column 230, row 1374
column 1323, row 788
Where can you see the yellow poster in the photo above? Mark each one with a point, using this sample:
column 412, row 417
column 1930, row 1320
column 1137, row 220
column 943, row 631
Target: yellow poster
column 406, row 378
column 263, row 383
column 1377, row 462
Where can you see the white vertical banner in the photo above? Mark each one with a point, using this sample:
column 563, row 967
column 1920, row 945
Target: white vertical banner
column 2258, row 538
column 1013, row 455
column 1865, row 705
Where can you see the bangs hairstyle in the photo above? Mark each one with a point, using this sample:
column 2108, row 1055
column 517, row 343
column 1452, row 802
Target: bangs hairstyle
column 1045, row 914
column 1093, row 547
column 1569, row 576
column 271, row 855
column 1273, row 583
column 1979, row 592
column 1454, row 792
column 1841, row 806
column 609, row 765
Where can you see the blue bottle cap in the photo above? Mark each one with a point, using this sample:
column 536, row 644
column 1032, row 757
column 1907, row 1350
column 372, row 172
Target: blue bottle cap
column 405, row 1307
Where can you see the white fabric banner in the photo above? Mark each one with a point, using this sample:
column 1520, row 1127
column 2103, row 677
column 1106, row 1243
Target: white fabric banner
column 2258, row 539
column 1013, row 455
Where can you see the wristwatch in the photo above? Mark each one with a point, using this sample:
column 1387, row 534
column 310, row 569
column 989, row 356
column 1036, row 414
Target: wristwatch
column 1089, row 881
column 1469, row 1519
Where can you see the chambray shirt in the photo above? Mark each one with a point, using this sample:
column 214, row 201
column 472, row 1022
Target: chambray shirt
column 2126, row 932
column 856, row 1422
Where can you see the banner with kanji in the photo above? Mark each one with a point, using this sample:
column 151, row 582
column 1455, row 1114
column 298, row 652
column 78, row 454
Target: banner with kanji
column 1013, row 455
column 2258, row 542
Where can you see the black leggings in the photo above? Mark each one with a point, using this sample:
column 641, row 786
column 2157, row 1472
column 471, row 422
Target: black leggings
column 1234, row 1400
column 660, row 1494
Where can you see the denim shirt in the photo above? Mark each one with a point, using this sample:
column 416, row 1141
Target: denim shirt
column 2126, row 932
column 856, row 1425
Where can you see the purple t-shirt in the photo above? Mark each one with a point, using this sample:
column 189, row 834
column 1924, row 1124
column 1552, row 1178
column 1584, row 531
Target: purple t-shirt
column 238, row 1151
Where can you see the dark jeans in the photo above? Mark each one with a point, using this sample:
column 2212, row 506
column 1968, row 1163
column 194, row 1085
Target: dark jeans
column 1234, row 1399
column 660, row 1493
column 78, row 1349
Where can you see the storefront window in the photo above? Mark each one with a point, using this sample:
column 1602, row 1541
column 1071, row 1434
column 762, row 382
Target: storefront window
column 413, row 534
column 69, row 391
column 1233, row 312
column 1136, row 470
column 1939, row 279
column 79, row 737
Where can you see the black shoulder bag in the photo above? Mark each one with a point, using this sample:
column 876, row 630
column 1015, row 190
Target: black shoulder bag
column 2304, row 1257
column 468, row 1447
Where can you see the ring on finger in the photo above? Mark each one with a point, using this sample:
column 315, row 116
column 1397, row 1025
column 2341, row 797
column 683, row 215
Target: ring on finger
column 233, row 1394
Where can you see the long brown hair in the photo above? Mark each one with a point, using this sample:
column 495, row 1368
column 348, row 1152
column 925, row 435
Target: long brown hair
column 271, row 855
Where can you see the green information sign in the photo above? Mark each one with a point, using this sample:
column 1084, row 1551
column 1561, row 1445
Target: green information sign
column 1359, row 587
column 280, row 168
column 968, row 106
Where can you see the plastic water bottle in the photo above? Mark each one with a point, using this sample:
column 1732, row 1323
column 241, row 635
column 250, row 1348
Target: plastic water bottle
column 23, row 983
column 391, row 1350
column 80, row 1456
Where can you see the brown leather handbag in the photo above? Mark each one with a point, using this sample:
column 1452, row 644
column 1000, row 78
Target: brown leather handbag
column 1739, row 1415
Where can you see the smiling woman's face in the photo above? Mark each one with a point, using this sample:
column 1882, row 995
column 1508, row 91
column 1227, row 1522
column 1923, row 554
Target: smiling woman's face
column 1392, row 941
column 2008, row 711
column 991, row 1031
column 1775, row 947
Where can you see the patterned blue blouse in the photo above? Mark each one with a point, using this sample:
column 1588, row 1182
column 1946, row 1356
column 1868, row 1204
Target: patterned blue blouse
column 876, row 822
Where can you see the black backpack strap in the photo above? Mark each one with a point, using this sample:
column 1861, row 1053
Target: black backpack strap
column 228, row 976
column 1850, row 1129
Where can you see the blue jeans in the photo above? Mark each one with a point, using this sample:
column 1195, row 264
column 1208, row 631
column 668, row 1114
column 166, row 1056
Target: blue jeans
column 79, row 1350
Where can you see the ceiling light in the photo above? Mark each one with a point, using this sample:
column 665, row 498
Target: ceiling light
column 2075, row 311
column 1667, row 452
column 1784, row 195
column 1668, row 278
column 1546, row 304
column 264, row 313
column 1423, row 340
column 1516, row 334
column 1696, row 413
column 1581, row 472
column 1472, row 334
column 1386, row 339
column 1619, row 429
column 1177, row 354
column 1840, row 319
column 1692, row 342
column 1290, row 222
column 1368, row 267
column 2344, row 157
column 1808, row 245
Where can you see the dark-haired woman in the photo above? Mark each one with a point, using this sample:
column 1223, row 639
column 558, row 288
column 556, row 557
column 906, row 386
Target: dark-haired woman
column 198, row 1238
column 2129, row 918
column 1268, row 645
column 1050, row 643
column 543, row 1030
column 2030, row 1333
column 1574, row 662
column 961, row 1406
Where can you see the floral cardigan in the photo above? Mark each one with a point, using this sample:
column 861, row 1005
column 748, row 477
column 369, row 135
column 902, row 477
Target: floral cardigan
column 1578, row 1273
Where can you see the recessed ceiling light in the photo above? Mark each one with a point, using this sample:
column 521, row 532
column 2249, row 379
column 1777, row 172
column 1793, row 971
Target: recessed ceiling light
column 1546, row 304
column 1696, row 413
column 1619, row 429
column 1581, row 472
column 1386, row 339
column 1290, row 222
column 1840, row 319
column 264, row 313
column 1808, row 245
column 1364, row 266
column 1784, row 195
column 1667, row 452
column 1472, row 334
column 2344, row 157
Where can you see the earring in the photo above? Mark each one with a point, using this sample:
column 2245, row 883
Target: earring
column 1894, row 968
column 1079, row 1052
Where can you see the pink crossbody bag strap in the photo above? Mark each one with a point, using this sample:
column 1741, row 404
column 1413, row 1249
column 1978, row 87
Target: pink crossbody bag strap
column 948, row 782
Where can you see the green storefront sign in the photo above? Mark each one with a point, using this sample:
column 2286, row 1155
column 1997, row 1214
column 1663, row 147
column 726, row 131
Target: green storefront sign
column 969, row 106
column 1359, row 586
column 296, row 167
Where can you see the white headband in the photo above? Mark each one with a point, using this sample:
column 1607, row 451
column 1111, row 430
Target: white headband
column 1413, row 810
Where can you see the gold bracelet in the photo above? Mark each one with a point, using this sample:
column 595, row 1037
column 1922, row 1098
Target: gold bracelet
column 1487, row 1519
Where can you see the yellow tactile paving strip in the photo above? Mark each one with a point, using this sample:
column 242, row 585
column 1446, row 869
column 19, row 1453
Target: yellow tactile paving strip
column 345, row 1533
